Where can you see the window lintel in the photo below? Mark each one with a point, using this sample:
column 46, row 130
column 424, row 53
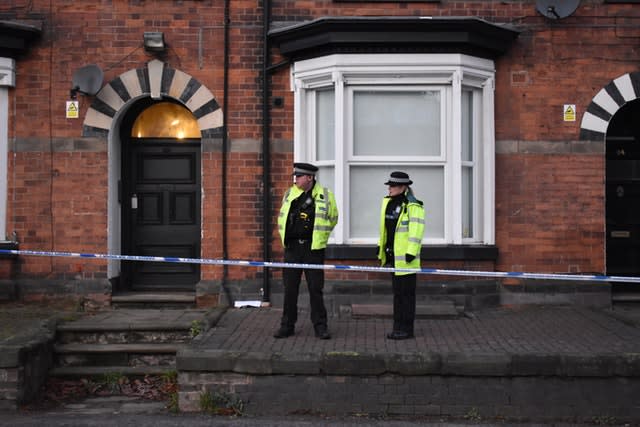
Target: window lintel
column 391, row 69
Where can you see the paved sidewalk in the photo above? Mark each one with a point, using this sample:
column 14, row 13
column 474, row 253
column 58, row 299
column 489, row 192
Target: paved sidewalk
column 527, row 341
column 510, row 362
column 524, row 330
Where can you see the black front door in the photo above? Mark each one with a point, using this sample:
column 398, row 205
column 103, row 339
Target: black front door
column 623, row 195
column 623, row 206
column 161, row 213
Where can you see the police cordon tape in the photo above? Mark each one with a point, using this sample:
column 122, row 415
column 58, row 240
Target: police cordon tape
column 270, row 264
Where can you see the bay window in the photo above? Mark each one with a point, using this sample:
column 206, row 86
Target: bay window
column 359, row 117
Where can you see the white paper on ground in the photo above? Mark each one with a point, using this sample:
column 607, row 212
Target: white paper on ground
column 246, row 304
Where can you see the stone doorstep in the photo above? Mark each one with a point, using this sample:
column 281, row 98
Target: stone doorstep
column 160, row 322
column 127, row 322
column 154, row 300
column 124, row 337
column 94, row 371
column 439, row 310
column 124, row 326
column 139, row 348
column 630, row 297
column 116, row 356
column 153, row 297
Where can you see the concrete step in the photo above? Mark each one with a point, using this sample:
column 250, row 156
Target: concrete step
column 154, row 300
column 115, row 354
column 132, row 319
column 630, row 297
column 126, row 340
column 117, row 348
column 95, row 371
column 124, row 337
column 436, row 310
column 134, row 326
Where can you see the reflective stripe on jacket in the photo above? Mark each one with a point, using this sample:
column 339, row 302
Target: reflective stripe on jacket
column 326, row 214
column 409, row 233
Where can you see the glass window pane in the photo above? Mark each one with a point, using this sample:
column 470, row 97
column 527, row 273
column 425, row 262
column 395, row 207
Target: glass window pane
column 326, row 177
column 467, row 202
column 165, row 120
column 428, row 186
column 467, row 125
column 367, row 190
column 325, row 125
column 383, row 120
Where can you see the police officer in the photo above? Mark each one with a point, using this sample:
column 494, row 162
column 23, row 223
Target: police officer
column 307, row 216
column 401, row 231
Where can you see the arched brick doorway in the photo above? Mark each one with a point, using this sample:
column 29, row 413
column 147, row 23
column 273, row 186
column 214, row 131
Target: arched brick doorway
column 116, row 103
column 613, row 116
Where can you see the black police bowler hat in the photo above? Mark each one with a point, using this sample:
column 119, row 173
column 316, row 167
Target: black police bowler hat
column 304, row 169
column 399, row 178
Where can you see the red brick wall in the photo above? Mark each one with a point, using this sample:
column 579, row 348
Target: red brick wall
column 550, row 213
column 79, row 33
column 550, row 67
column 59, row 202
column 549, row 201
column 49, row 207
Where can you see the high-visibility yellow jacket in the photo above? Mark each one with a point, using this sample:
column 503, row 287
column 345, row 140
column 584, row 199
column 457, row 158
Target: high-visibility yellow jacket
column 326, row 214
column 408, row 236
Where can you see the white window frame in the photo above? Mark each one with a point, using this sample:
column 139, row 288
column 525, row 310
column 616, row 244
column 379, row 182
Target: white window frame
column 7, row 80
column 450, row 73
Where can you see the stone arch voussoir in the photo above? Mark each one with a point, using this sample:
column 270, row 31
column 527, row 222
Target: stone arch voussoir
column 604, row 105
column 156, row 80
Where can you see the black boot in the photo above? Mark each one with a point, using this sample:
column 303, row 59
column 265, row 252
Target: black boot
column 399, row 335
column 322, row 333
column 284, row 332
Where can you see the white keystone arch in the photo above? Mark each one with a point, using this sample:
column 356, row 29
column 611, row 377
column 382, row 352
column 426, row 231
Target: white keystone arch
column 606, row 103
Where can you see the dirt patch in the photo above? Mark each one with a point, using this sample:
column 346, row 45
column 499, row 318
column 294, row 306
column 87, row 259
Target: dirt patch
column 21, row 319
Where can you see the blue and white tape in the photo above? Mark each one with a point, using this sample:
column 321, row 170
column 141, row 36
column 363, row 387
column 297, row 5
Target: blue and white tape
column 269, row 264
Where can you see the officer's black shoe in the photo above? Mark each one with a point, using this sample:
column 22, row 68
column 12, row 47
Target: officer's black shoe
column 323, row 333
column 399, row 335
column 283, row 332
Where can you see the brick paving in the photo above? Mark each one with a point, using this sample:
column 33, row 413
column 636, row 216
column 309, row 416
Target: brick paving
column 575, row 362
column 525, row 330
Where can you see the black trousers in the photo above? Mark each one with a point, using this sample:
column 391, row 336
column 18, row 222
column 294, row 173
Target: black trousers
column 300, row 252
column 404, row 302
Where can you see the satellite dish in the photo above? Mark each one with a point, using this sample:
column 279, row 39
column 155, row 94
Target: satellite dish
column 557, row 9
column 87, row 80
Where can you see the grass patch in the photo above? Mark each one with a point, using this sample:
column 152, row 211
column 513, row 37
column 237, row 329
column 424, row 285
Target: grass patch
column 221, row 403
